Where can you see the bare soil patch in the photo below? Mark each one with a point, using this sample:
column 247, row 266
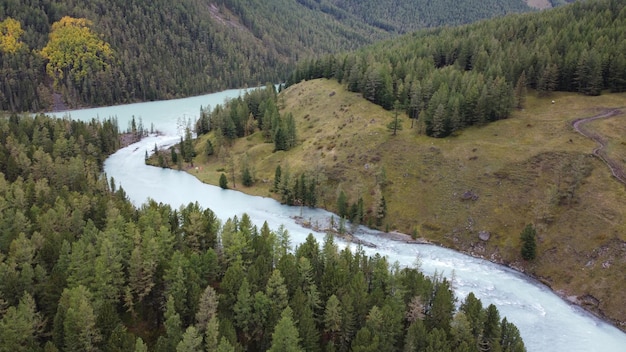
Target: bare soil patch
column 539, row 4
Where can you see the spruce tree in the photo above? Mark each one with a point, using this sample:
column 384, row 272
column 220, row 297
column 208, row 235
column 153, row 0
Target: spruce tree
column 208, row 148
column 223, row 181
column 285, row 337
column 277, row 175
column 342, row 205
column 491, row 330
column 520, row 91
column 246, row 177
column 529, row 245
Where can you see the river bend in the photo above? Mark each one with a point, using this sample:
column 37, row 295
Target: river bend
column 546, row 322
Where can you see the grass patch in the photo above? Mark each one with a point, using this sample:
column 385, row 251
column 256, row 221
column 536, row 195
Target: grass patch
column 531, row 168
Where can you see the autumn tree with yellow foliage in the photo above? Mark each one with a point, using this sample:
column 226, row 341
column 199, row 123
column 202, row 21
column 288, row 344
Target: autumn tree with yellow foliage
column 74, row 52
column 19, row 88
column 10, row 33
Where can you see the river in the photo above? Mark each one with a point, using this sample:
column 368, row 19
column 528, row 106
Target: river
column 546, row 322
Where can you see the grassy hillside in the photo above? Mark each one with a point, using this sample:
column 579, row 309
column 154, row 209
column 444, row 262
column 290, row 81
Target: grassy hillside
column 457, row 77
column 531, row 168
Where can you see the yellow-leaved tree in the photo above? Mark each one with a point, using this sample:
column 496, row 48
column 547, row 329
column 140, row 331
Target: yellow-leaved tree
column 75, row 52
column 10, row 33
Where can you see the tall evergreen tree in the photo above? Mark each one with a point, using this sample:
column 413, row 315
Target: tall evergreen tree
column 75, row 321
column 223, row 181
column 333, row 319
column 277, row 175
column 342, row 205
column 243, row 310
column 510, row 340
column 191, row 341
column 173, row 326
column 529, row 244
column 285, row 337
column 491, row 330
column 442, row 307
column 521, row 91
column 21, row 326
column 277, row 294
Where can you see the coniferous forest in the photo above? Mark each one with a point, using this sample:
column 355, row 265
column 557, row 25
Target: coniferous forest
column 81, row 269
column 150, row 50
column 450, row 78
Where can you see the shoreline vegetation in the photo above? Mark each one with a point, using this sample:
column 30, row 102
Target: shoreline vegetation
column 511, row 189
column 82, row 268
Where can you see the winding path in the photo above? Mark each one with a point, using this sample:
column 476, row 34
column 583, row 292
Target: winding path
column 599, row 151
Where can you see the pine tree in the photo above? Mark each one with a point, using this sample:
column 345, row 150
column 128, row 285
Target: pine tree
column 312, row 193
column 442, row 307
column 548, row 80
column 191, row 341
column 225, row 346
column 290, row 131
column 520, row 91
column 280, row 139
column 461, row 330
column 246, row 177
column 187, row 149
column 243, row 309
column 510, row 339
column 140, row 346
column 396, row 124
column 307, row 330
column 21, row 327
column 333, row 319
column 277, row 293
column 589, row 73
column 208, row 148
column 120, row 339
column 342, row 205
column 491, row 330
column 173, row 325
column 415, row 339
column 277, row 175
column 473, row 309
column 439, row 122
column 529, row 245
column 212, row 334
column 75, row 321
column 174, row 156
column 223, row 181
column 207, row 308
column 285, row 337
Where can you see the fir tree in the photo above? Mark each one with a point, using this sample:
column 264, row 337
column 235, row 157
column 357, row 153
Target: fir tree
column 529, row 244
column 223, row 181
column 342, row 205
column 285, row 337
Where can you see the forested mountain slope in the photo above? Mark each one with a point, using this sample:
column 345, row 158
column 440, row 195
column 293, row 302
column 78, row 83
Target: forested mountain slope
column 450, row 78
column 407, row 16
column 163, row 49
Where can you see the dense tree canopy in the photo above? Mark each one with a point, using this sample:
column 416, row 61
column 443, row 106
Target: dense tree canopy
column 407, row 16
column 166, row 49
column 10, row 36
column 81, row 269
column 450, row 78
column 75, row 54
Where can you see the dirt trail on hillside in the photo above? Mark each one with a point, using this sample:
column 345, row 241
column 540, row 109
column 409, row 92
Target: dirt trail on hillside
column 616, row 169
